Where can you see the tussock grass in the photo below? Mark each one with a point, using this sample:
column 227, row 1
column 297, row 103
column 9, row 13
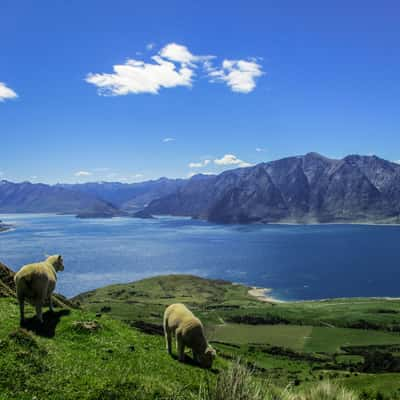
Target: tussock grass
column 239, row 383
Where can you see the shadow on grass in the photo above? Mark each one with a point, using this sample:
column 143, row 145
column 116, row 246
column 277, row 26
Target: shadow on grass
column 48, row 327
column 190, row 361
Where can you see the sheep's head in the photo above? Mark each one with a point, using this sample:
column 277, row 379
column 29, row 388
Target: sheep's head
column 208, row 357
column 57, row 262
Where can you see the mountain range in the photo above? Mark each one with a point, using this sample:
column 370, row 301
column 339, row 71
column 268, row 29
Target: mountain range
column 299, row 189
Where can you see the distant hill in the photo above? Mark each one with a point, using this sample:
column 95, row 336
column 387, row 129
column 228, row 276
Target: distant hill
column 128, row 197
column 303, row 189
column 27, row 197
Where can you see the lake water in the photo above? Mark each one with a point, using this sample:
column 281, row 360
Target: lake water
column 298, row 262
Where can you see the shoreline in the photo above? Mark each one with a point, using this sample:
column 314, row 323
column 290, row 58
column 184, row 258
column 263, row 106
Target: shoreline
column 160, row 216
column 263, row 294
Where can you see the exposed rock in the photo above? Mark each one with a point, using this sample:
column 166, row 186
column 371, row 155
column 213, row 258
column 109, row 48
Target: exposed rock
column 302, row 189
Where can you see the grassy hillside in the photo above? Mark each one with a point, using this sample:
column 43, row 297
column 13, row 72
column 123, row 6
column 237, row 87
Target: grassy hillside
column 353, row 341
column 79, row 355
column 216, row 300
column 113, row 347
column 84, row 357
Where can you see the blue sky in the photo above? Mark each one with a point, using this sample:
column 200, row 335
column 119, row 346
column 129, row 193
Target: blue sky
column 91, row 89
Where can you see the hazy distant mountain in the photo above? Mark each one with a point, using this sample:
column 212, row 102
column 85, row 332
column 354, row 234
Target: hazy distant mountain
column 129, row 197
column 309, row 188
column 27, row 197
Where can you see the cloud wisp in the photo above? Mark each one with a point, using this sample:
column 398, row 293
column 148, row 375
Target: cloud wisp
column 6, row 93
column 81, row 174
column 231, row 159
column 174, row 65
column 200, row 164
column 168, row 140
column 239, row 75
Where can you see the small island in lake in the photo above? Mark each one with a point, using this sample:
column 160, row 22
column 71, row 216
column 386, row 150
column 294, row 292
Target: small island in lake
column 4, row 227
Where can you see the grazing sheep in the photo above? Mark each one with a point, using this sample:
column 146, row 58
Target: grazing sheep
column 35, row 283
column 189, row 332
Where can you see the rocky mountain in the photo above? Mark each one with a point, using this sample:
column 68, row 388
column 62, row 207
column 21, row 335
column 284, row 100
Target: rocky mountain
column 40, row 198
column 303, row 189
column 309, row 188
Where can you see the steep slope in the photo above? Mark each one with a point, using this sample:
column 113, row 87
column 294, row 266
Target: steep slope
column 40, row 198
column 7, row 286
column 309, row 188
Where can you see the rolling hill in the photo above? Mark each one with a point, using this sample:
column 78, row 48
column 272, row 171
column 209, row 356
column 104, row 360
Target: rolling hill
column 27, row 197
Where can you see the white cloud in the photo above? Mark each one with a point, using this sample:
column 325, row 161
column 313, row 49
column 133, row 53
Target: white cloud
column 230, row 159
column 168, row 139
column 6, row 93
column 139, row 77
column 259, row 150
column 199, row 164
column 83, row 173
column 174, row 65
column 239, row 75
column 397, row 161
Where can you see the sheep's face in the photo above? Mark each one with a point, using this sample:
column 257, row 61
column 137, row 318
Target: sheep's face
column 57, row 262
column 59, row 265
column 208, row 357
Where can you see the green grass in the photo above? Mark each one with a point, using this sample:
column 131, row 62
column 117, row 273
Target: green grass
column 292, row 336
column 219, row 301
column 283, row 340
column 302, row 338
column 115, row 362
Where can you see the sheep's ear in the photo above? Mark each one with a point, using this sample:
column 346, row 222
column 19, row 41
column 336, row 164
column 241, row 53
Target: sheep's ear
column 59, row 258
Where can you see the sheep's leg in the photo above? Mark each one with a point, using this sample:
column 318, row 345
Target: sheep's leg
column 180, row 347
column 39, row 314
column 51, row 304
column 168, row 340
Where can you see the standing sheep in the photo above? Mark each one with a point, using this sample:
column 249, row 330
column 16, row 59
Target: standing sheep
column 36, row 282
column 189, row 331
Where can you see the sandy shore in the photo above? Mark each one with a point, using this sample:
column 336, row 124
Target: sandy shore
column 263, row 294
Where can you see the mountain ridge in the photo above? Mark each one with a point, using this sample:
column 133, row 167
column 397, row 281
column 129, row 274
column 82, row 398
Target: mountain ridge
column 297, row 189
column 302, row 189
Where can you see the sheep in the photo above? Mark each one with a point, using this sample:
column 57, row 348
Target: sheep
column 189, row 331
column 36, row 282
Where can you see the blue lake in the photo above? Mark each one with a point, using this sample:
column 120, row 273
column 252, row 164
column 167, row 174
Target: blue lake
column 298, row 262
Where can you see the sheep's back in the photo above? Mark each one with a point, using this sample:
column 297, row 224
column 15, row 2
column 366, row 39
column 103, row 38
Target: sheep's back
column 32, row 279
